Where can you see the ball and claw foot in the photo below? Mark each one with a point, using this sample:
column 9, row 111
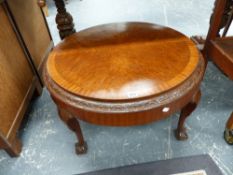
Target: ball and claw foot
column 181, row 134
column 228, row 136
column 81, row 148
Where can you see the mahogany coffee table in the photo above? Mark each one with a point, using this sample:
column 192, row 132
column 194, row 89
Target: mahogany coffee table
column 124, row 74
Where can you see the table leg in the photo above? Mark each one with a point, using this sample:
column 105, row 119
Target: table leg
column 181, row 133
column 228, row 134
column 64, row 20
column 73, row 124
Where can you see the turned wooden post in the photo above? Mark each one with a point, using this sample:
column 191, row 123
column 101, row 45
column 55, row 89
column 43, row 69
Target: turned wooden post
column 64, row 20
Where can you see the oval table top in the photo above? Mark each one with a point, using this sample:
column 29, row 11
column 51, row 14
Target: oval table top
column 122, row 61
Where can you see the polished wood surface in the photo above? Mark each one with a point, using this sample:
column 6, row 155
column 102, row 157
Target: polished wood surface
column 33, row 28
column 122, row 61
column 124, row 74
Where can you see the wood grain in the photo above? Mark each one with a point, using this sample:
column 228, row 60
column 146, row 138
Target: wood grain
column 127, row 113
column 122, row 61
column 15, row 75
column 124, row 74
column 32, row 26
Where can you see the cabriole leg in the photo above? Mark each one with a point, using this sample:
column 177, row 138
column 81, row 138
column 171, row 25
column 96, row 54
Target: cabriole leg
column 73, row 124
column 181, row 133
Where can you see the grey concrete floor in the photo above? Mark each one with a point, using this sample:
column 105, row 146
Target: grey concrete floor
column 49, row 145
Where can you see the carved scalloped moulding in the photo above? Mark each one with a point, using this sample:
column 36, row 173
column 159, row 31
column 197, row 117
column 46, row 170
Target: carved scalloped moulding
column 126, row 107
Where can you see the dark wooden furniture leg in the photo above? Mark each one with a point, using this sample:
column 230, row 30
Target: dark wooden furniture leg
column 64, row 20
column 228, row 134
column 73, row 124
column 181, row 133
